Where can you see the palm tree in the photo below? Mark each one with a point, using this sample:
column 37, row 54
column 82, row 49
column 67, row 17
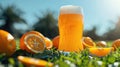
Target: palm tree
column 47, row 25
column 10, row 15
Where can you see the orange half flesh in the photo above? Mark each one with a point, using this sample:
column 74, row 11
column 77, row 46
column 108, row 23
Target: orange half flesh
column 100, row 52
column 35, row 43
column 88, row 42
column 49, row 43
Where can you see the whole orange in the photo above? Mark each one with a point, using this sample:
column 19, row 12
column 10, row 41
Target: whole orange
column 7, row 43
column 55, row 41
column 33, row 42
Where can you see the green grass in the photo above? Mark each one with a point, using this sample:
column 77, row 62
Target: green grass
column 81, row 59
column 109, row 43
column 17, row 42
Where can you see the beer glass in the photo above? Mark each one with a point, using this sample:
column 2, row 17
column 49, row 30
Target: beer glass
column 70, row 24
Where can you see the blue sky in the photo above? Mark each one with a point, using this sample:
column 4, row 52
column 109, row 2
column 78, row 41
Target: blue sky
column 100, row 13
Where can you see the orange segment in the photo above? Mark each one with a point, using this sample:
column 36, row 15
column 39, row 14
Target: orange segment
column 100, row 52
column 88, row 42
column 34, row 62
column 32, row 42
column 7, row 43
column 55, row 41
column 49, row 43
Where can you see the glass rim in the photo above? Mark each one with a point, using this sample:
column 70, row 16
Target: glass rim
column 71, row 9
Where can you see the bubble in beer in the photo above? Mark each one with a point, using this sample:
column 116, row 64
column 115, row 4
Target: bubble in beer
column 70, row 9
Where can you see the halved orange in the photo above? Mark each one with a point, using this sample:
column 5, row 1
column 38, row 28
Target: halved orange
column 100, row 52
column 101, row 44
column 88, row 42
column 33, row 42
column 49, row 43
column 55, row 41
column 116, row 44
column 32, row 62
column 7, row 43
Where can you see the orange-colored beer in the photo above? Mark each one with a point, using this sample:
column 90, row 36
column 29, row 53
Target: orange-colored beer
column 71, row 30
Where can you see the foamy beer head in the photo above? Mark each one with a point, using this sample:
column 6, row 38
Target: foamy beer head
column 70, row 9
